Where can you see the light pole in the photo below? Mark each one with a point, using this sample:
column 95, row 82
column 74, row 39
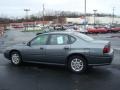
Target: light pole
column 85, row 14
column 43, row 14
column 113, row 15
column 57, row 18
column 94, row 16
column 26, row 10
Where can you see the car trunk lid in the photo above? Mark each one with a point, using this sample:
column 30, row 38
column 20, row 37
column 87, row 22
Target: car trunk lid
column 100, row 47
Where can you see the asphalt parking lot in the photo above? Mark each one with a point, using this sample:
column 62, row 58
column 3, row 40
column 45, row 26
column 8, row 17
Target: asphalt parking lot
column 50, row 77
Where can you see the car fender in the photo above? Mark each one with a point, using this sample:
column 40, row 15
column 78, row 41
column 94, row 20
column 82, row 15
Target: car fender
column 83, row 52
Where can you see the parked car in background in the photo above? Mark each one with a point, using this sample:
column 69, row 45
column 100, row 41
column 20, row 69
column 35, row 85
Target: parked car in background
column 83, row 30
column 114, row 29
column 70, row 30
column 74, row 50
column 97, row 30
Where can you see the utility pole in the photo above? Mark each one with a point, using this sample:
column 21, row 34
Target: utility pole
column 94, row 16
column 57, row 18
column 43, row 14
column 113, row 15
column 85, row 15
column 26, row 10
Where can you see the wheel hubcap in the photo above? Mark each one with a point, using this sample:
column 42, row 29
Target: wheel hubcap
column 15, row 58
column 77, row 64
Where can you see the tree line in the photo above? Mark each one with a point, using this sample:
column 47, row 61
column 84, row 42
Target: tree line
column 49, row 16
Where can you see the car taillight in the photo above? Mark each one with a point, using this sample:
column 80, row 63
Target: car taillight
column 106, row 49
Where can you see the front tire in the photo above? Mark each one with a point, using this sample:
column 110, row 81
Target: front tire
column 16, row 58
column 77, row 64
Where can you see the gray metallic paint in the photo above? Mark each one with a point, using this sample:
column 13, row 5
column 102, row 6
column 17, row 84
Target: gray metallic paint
column 57, row 54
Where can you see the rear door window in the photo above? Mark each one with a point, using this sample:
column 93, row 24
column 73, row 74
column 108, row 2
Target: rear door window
column 59, row 40
column 72, row 39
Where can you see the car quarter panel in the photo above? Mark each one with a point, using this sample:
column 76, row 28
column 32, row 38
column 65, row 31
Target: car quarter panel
column 93, row 52
column 80, row 47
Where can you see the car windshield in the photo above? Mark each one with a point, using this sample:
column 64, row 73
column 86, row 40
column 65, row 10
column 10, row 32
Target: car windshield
column 85, row 37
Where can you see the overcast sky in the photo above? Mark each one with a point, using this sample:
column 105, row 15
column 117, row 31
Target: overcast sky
column 16, row 7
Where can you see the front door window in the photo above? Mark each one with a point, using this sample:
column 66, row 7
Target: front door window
column 40, row 40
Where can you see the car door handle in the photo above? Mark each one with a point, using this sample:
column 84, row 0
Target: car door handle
column 41, row 48
column 66, row 48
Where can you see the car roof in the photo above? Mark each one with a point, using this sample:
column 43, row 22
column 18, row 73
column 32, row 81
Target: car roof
column 65, row 32
column 83, row 36
column 61, row 32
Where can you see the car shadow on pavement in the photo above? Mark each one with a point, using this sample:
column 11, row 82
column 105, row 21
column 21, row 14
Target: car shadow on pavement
column 98, row 71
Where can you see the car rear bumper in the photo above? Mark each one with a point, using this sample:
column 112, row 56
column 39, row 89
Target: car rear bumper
column 101, row 60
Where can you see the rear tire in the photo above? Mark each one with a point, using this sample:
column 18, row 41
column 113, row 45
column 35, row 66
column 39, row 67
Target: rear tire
column 77, row 64
column 16, row 58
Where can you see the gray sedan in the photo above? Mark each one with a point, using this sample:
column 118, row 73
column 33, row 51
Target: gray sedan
column 75, row 50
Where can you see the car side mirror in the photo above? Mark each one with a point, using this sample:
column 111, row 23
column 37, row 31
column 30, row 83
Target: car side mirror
column 28, row 44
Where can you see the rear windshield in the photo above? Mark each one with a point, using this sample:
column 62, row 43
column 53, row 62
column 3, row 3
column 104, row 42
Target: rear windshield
column 84, row 37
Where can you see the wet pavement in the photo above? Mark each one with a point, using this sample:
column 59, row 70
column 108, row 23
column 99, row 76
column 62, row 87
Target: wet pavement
column 49, row 77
